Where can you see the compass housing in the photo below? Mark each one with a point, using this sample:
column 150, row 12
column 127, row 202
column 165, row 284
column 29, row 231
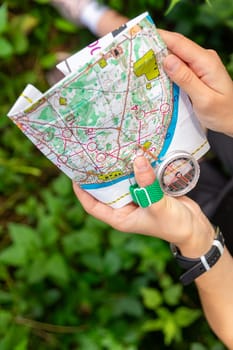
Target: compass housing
column 178, row 173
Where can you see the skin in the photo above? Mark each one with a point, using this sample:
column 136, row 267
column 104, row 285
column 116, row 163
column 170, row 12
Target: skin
column 199, row 71
column 180, row 221
column 110, row 21
column 202, row 75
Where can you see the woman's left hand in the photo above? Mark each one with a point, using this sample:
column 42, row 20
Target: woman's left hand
column 175, row 220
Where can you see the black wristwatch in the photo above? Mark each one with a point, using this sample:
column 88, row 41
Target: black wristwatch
column 196, row 267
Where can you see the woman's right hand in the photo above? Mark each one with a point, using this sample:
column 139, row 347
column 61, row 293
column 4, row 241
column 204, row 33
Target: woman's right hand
column 202, row 75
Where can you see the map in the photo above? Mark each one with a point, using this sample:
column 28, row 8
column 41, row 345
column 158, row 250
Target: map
column 114, row 101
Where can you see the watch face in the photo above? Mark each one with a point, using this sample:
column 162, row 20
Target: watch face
column 178, row 173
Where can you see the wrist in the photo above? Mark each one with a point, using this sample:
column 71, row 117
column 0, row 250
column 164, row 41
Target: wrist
column 92, row 14
column 198, row 243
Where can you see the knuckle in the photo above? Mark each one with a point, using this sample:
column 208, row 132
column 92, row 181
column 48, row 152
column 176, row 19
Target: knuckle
column 214, row 59
column 185, row 76
column 213, row 54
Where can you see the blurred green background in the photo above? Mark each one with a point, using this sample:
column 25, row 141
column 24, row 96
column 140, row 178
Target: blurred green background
column 68, row 281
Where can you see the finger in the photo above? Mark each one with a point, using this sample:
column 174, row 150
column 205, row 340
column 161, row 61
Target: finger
column 206, row 64
column 92, row 206
column 186, row 49
column 183, row 76
column 144, row 172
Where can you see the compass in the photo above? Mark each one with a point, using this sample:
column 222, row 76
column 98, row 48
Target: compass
column 178, row 173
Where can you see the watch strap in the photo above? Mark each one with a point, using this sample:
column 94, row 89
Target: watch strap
column 196, row 267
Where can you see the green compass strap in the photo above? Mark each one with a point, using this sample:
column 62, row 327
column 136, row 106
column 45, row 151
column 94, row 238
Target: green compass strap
column 146, row 196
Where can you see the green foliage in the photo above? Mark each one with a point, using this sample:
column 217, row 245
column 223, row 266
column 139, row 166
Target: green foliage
column 172, row 5
column 13, row 34
column 67, row 280
column 171, row 323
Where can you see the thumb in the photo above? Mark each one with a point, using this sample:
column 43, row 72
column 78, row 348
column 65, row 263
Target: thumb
column 182, row 75
column 143, row 171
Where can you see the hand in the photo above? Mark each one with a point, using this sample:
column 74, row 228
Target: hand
column 176, row 220
column 202, row 75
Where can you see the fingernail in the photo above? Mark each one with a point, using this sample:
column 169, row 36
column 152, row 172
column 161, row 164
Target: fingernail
column 141, row 164
column 171, row 63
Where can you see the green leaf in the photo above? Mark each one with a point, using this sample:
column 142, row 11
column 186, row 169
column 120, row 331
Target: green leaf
column 87, row 343
column 53, row 204
column 197, row 346
column 171, row 331
column 93, row 224
column 20, row 43
column 173, row 294
column 171, row 6
column 62, row 184
column 57, row 269
column 36, row 271
column 47, row 62
column 51, row 296
column 152, row 325
column 109, row 343
column 127, row 306
column 93, row 262
column 229, row 23
column 218, row 346
column 6, row 49
column 82, row 241
column 24, row 23
column 48, row 231
column 15, row 165
column 42, row 1
column 3, row 18
column 152, row 298
column 166, row 323
column 136, row 245
column 65, row 26
column 112, row 262
column 117, row 4
column 165, row 281
column 117, row 239
column 185, row 316
column 15, row 255
column 23, row 235
column 5, row 297
column 14, row 337
column 5, row 319
column 155, row 254
column 22, row 345
column 3, row 272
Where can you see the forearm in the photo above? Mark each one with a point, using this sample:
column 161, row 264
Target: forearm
column 215, row 286
column 109, row 21
column 215, row 289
